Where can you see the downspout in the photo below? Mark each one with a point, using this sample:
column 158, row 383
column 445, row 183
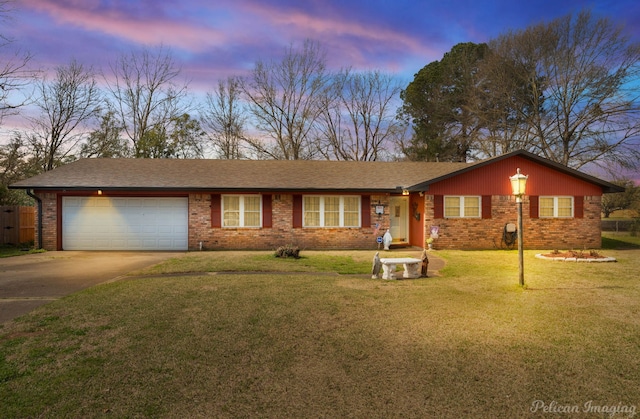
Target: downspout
column 39, row 201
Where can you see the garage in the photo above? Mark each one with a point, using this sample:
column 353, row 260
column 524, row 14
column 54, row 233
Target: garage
column 124, row 223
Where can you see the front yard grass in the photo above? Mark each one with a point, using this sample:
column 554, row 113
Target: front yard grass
column 10, row 251
column 468, row 343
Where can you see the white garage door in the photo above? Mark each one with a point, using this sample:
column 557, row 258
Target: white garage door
column 102, row 223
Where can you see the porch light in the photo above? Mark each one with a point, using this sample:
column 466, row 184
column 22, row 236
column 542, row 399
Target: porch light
column 518, row 185
column 99, row 191
column 405, row 192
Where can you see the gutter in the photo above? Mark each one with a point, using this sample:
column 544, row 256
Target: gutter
column 39, row 201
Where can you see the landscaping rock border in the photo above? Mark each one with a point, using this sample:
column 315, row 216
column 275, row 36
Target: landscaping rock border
column 570, row 259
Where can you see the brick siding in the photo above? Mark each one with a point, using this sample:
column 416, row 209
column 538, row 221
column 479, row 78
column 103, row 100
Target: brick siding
column 454, row 233
column 538, row 233
column 281, row 233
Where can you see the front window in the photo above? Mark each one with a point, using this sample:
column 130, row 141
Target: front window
column 462, row 206
column 331, row 211
column 241, row 210
column 556, row 206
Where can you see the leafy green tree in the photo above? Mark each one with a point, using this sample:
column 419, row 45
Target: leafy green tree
column 15, row 165
column 186, row 138
column 183, row 138
column 440, row 102
column 107, row 140
column 629, row 199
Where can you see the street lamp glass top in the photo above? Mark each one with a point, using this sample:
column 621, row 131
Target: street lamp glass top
column 518, row 183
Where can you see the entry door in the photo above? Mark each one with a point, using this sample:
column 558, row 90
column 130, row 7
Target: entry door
column 399, row 223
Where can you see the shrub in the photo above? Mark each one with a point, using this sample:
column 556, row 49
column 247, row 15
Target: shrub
column 288, row 251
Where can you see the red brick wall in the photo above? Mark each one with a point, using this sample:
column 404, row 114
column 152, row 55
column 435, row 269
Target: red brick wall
column 539, row 233
column 49, row 221
column 281, row 233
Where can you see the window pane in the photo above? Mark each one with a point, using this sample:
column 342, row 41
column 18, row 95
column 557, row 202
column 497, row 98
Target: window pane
column 311, row 211
column 332, row 211
column 252, row 203
column 231, row 216
column 252, row 219
column 545, row 207
column 471, row 206
column 251, row 211
column 452, row 206
column 564, row 207
column 351, row 211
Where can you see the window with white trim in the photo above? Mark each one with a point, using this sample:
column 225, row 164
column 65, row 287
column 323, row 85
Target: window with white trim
column 462, row 206
column 555, row 207
column 241, row 210
column 331, row 211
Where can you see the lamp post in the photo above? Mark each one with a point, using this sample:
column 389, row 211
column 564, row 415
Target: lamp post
column 518, row 184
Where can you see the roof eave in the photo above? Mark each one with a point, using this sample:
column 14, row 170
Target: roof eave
column 205, row 189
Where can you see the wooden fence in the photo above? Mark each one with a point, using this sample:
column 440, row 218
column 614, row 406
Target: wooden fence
column 17, row 225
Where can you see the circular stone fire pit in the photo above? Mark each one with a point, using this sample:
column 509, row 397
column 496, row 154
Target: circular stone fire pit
column 573, row 256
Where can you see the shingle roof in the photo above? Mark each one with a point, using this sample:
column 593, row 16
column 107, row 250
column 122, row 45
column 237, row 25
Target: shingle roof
column 257, row 175
column 267, row 175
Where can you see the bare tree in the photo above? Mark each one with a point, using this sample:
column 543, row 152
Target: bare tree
column 583, row 102
column 15, row 74
column 146, row 93
column 67, row 104
column 285, row 100
column 224, row 119
column 359, row 122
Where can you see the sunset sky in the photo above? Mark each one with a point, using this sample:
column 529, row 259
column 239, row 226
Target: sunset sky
column 212, row 39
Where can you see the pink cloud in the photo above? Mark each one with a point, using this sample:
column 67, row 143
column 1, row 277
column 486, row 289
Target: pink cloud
column 332, row 29
column 116, row 23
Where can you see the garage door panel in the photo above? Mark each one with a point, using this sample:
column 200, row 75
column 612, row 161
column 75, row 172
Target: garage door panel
column 103, row 223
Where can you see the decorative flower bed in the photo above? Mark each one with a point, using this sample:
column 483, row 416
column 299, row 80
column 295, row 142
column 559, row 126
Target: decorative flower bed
column 576, row 256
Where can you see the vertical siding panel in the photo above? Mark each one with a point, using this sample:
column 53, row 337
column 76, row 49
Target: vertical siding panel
column 493, row 179
column 216, row 208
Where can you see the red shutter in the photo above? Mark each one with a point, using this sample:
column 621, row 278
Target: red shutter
column 266, row 211
column 297, row 211
column 533, row 206
column 365, row 211
column 216, row 217
column 578, row 206
column 438, row 206
column 486, row 206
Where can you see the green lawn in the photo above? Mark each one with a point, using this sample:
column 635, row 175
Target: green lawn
column 467, row 343
column 10, row 251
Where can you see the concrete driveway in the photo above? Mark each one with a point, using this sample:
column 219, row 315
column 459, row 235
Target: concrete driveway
column 29, row 281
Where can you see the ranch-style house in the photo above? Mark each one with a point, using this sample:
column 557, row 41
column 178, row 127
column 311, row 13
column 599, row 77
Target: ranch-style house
column 172, row 204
